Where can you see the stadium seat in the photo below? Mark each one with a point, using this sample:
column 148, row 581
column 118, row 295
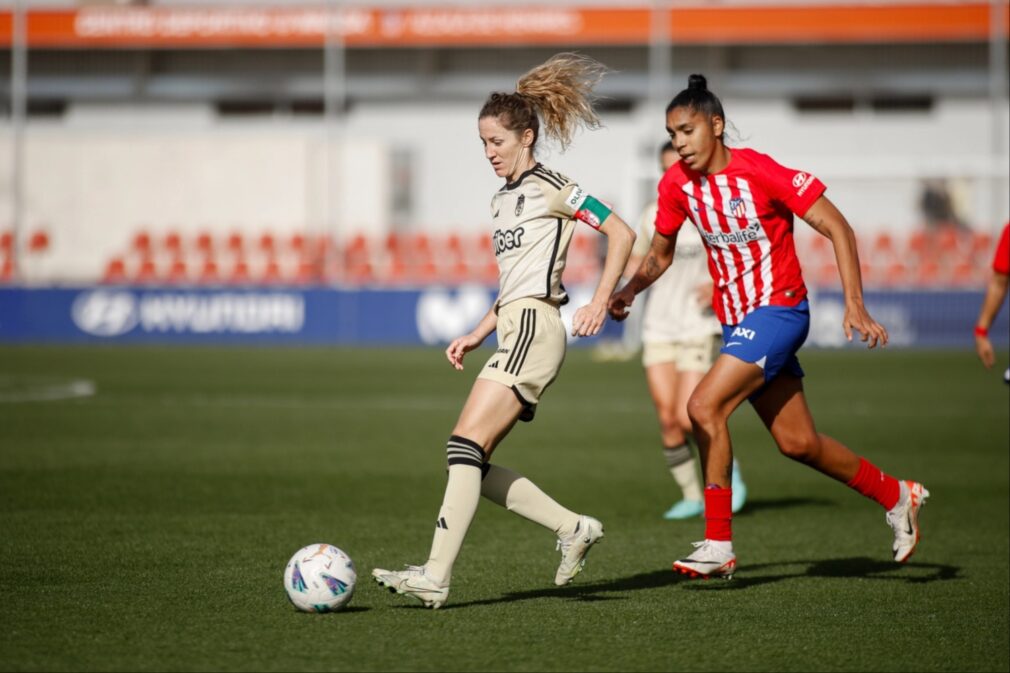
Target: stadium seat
column 239, row 273
column 6, row 241
column 272, row 273
column 267, row 244
column 115, row 271
column 6, row 271
column 142, row 243
column 39, row 242
column 894, row 275
column 177, row 273
column 205, row 243
column 172, row 243
column 209, row 273
column 147, row 272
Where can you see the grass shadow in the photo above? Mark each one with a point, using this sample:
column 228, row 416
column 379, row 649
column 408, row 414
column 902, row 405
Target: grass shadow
column 856, row 567
column 585, row 592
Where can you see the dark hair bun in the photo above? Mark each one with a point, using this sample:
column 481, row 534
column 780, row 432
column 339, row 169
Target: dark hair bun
column 697, row 83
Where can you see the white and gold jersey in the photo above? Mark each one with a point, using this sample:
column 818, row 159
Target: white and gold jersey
column 672, row 309
column 534, row 219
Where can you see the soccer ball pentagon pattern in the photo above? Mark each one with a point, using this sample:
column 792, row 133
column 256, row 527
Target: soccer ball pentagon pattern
column 320, row 578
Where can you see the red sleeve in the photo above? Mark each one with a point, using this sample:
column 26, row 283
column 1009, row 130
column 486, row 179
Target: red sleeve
column 671, row 209
column 795, row 189
column 1001, row 262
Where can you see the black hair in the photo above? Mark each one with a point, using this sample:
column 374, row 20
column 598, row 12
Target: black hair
column 666, row 147
column 697, row 97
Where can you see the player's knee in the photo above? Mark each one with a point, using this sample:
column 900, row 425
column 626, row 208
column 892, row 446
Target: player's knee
column 669, row 421
column 802, row 448
column 702, row 412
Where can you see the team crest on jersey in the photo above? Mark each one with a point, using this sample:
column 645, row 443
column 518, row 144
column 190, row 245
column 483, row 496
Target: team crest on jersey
column 520, row 202
column 737, row 207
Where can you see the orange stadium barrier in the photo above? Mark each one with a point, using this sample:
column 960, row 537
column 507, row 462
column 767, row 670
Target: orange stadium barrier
column 293, row 27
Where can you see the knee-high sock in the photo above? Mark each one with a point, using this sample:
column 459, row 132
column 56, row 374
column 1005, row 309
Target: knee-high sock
column 462, row 493
column 680, row 461
column 518, row 494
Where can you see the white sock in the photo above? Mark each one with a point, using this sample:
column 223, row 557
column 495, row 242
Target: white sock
column 680, row 460
column 686, row 477
column 462, row 493
column 518, row 494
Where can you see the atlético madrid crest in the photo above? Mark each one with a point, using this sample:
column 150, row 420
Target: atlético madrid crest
column 737, row 207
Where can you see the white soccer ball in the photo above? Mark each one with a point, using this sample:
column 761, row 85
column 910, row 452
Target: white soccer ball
column 320, row 578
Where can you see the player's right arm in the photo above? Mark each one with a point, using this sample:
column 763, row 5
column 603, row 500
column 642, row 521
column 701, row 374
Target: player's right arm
column 466, row 343
column 670, row 216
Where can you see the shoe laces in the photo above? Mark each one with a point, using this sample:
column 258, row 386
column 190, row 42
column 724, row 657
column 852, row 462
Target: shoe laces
column 412, row 569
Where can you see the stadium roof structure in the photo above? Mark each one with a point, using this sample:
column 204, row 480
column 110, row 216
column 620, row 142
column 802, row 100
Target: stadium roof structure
column 292, row 26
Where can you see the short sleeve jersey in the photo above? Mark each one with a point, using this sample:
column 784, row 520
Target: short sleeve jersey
column 744, row 214
column 1001, row 261
column 534, row 219
column 673, row 312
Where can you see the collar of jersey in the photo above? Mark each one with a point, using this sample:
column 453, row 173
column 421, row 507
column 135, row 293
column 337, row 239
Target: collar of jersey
column 518, row 181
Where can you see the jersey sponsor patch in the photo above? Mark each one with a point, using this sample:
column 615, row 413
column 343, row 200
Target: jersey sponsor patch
column 802, row 182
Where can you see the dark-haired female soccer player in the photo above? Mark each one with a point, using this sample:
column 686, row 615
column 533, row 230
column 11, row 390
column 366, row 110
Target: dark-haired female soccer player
column 742, row 203
column 534, row 214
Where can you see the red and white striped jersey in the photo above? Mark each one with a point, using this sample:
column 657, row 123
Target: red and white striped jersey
column 744, row 214
column 1001, row 260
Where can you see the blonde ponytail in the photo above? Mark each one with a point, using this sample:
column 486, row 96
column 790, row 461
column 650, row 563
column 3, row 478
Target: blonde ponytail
column 560, row 90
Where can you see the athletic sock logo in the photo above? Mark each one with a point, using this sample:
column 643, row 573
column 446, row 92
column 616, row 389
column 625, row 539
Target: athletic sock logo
column 441, row 523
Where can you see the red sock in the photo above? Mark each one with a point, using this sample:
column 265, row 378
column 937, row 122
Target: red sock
column 874, row 484
column 718, row 513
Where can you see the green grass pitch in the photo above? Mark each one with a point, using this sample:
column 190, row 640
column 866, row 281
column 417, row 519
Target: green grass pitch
column 146, row 527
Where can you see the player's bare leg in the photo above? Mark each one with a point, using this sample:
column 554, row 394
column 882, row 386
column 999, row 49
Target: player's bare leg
column 783, row 409
column 721, row 391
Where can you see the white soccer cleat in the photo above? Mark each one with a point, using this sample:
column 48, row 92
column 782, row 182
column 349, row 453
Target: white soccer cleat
column 903, row 519
column 414, row 583
column 588, row 531
column 710, row 558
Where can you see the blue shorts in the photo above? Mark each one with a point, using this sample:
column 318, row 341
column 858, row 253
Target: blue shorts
column 769, row 337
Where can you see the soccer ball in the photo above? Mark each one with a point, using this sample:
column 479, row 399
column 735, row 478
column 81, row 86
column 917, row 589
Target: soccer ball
column 320, row 578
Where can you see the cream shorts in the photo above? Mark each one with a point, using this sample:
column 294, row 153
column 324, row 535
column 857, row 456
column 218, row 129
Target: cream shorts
column 531, row 348
column 692, row 355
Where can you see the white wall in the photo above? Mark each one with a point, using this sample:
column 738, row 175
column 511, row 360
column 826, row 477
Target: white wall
column 92, row 183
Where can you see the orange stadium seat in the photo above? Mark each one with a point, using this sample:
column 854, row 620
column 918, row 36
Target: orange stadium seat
column 115, row 271
column 142, row 243
column 172, row 242
column 209, row 272
column 39, row 242
column 6, row 241
column 6, row 271
column 178, row 272
column 205, row 243
column 239, row 273
column 147, row 272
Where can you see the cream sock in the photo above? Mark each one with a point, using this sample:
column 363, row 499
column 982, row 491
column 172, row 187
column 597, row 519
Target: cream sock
column 518, row 494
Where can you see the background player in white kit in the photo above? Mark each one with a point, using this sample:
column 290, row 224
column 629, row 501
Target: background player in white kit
column 535, row 216
column 681, row 338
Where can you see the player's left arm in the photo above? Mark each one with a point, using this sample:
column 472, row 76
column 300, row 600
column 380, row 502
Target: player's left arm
column 589, row 319
column 995, row 293
column 827, row 220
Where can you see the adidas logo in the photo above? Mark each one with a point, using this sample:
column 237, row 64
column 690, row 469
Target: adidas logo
column 441, row 523
column 493, row 365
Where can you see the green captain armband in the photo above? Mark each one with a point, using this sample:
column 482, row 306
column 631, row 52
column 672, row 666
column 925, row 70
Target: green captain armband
column 592, row 212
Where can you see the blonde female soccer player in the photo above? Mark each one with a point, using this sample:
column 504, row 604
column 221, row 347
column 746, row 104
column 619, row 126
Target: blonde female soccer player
column 534, row 215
